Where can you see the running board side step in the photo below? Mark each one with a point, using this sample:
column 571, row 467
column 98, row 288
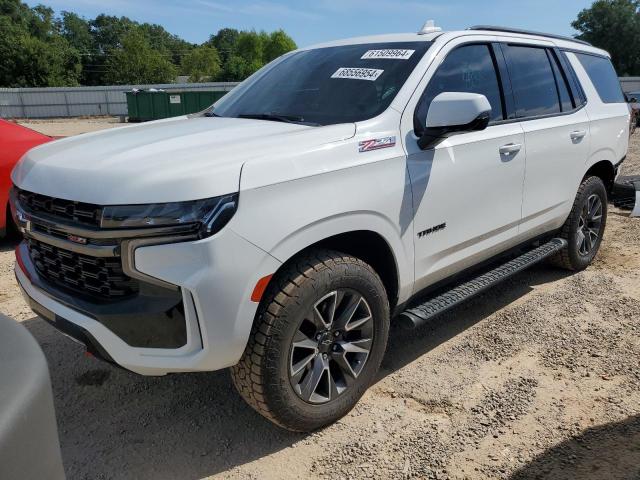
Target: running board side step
column 422, row 314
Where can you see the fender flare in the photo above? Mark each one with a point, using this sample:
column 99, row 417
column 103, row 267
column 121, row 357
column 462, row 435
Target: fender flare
column 344, row 223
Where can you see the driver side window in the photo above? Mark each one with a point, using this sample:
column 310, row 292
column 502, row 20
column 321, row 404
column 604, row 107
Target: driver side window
column 468, row 69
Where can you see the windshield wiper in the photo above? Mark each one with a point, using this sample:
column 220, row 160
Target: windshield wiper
column 211, row 114
column 276, row 117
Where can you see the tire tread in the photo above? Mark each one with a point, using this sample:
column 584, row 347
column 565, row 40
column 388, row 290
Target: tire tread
column 563, row 259
column 249, row 375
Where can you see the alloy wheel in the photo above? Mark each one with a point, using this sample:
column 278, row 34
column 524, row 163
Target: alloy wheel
column 589, row 225
column 331, row 346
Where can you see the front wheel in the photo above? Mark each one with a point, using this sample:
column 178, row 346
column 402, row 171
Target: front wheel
column 585, row 226
column 317, row 341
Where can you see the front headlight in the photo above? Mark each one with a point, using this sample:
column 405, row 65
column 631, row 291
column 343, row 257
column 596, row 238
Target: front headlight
column 211, row 214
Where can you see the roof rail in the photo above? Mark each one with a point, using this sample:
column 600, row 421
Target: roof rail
column 492, row 28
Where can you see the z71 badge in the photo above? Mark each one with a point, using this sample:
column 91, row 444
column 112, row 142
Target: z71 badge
column 377, row 144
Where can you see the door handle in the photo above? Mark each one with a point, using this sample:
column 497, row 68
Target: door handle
column 578, row 134
column 511, row 148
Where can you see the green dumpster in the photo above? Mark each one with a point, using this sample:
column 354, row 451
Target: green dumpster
column 144, row 105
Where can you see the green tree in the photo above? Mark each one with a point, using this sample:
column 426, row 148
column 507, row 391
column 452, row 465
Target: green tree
column 41, row 24
column 250, row 51
column 166, row 43
column 277, row 45
column 48, row 64
column 135, row 62
column 225, row 42
column 11, row 36
column 40, row 48
column 16, row 11
column 33, row 53
column 77, row 31
column 250, row 47
column 236, row 69
column 613, row 25
column 106, row 35
column 201, row 64
column 108, row 32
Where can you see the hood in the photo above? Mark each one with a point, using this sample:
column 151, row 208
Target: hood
column 165, row 161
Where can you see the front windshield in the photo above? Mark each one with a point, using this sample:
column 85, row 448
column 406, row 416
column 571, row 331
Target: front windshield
column 326, row 86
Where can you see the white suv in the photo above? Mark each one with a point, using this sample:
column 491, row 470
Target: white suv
column 340, row 188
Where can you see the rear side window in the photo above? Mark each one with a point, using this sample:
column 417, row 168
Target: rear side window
column 603, row 76
column 533, row 81
column 576, row 89
column 468, row 69
column 563, row 90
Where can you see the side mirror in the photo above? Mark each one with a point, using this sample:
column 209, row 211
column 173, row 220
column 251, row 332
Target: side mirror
column 454, row 112
column 633, row 100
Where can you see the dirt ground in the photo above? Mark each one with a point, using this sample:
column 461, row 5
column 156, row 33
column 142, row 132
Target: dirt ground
column 65, row 127
column 539, row 378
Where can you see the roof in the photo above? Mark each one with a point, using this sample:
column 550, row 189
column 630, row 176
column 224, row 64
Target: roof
column 389, row 37
column 557, row 40
column 493, row 28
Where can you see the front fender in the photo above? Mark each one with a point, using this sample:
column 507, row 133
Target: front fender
column 285, row 218
column 315, row 232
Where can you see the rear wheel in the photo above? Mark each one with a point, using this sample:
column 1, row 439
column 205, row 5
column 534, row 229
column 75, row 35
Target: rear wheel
column 585, row 226
column 317, row 341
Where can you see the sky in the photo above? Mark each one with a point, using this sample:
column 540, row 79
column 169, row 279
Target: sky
column 322, row 20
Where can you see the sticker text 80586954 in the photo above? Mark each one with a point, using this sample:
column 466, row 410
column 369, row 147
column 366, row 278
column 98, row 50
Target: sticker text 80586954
column 370, row 74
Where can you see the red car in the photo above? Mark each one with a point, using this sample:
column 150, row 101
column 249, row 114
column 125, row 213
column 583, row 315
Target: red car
column 15, row 140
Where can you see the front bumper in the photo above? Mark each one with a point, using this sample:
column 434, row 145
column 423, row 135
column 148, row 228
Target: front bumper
column 214, row 278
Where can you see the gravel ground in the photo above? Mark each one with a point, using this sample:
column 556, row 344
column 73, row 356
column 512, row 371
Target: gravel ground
column 539, row 378
column 65, row 127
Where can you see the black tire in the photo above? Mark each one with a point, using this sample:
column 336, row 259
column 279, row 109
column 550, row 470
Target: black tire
column 264, row 377
column 574, row 257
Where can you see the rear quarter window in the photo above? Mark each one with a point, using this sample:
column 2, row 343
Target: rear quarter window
column 603, row 76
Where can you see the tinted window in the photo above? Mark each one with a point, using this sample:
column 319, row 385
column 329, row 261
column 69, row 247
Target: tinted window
column 534, row 86
column 576, row 89
column 326, row 86
column 468, row 69
column 603, row 76
column 565, row 98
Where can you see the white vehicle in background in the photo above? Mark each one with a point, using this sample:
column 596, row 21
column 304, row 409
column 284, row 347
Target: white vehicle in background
column 340, row 188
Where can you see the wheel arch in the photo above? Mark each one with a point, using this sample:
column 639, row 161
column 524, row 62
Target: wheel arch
column 605, row 170
column 367, row 245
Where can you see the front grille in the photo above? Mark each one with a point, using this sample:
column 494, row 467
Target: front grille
column 70, row 211
column 92, row 276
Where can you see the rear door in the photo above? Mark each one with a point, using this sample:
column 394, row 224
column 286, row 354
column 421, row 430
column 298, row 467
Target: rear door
column 607, row 107
column 556, row 130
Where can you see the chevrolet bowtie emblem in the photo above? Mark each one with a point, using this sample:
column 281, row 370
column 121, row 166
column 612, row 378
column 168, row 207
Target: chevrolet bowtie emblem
column 76, row 239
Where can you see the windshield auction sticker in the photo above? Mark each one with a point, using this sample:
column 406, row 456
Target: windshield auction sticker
column 389, row 54
column 370, row 74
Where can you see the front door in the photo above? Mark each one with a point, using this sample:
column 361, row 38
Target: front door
column 467, row 191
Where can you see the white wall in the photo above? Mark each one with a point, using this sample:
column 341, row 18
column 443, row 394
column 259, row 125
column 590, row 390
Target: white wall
column 630, row 84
